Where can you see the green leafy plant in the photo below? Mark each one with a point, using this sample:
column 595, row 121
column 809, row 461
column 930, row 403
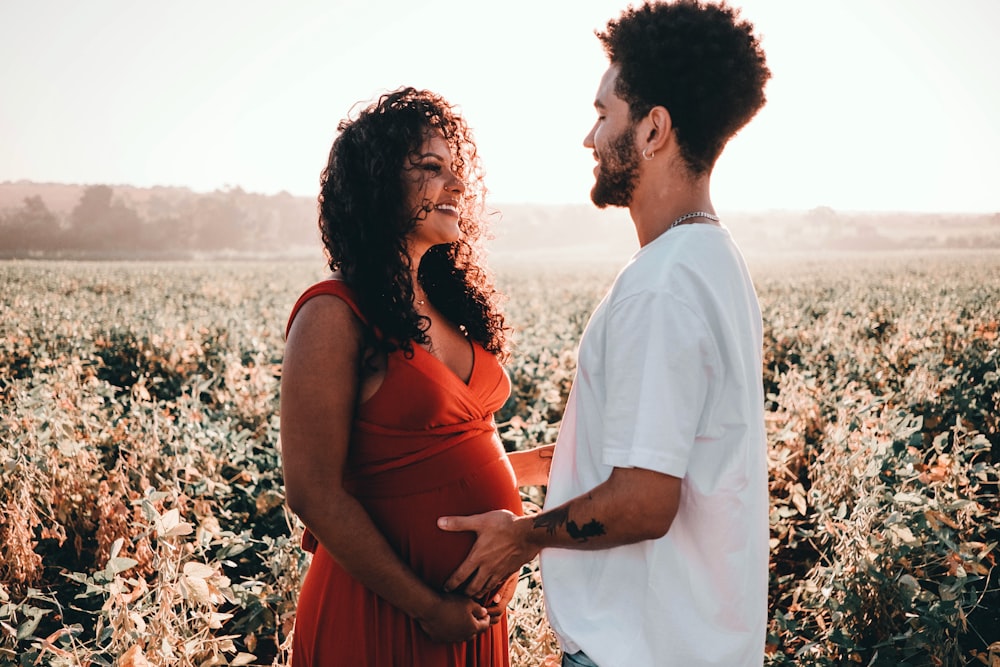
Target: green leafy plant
column 140, row 446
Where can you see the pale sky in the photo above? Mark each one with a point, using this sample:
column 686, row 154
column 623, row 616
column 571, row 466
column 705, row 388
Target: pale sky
column 874, row 104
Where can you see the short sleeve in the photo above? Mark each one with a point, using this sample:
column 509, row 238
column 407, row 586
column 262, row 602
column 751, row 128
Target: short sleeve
column 661, row 362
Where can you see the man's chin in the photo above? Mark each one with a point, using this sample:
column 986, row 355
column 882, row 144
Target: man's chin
column 601, row 200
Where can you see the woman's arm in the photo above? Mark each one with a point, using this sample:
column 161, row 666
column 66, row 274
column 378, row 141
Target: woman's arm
column 531, row 466
column 319, row 389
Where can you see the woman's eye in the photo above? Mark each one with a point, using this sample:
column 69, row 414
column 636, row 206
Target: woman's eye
column 433, row 168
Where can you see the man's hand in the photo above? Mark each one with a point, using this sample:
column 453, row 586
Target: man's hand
column 500, row 550
column 455, row 618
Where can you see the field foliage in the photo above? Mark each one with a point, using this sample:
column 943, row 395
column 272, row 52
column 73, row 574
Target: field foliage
column 141, row 501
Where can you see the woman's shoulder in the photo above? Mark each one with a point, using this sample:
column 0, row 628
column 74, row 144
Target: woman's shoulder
column 333, row 287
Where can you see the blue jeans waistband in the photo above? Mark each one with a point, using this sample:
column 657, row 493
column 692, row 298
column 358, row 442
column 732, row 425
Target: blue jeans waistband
column 578, row 659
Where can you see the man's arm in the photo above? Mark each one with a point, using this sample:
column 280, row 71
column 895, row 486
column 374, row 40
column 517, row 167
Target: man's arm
column 633, row 505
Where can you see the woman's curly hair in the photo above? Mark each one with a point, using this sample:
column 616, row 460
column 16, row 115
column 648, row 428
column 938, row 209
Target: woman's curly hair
column 699, row 61
column 364, row 222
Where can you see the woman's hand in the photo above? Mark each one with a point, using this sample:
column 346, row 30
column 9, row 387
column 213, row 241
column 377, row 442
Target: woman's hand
column 531, row 466
column 498, row 605
column 455, row 618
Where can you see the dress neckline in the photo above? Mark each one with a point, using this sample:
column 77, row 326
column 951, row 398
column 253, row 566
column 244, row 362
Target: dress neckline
column 447, row 369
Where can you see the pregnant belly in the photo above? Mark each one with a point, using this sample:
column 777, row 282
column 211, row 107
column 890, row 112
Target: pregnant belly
column 409, row 521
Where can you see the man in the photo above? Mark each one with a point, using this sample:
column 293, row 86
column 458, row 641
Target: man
column 654, row 536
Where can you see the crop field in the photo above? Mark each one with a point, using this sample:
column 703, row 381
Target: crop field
column 142, row 516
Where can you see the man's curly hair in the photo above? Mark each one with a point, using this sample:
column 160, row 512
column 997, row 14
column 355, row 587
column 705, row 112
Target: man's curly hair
column 696, row 59
column 364, row 222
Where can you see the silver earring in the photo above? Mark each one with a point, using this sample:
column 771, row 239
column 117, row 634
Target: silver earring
column 647, row 157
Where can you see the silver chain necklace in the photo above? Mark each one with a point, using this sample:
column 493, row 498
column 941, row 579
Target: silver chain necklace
column 693, row 214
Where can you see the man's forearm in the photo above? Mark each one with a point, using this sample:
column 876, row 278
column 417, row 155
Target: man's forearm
column 631, row 506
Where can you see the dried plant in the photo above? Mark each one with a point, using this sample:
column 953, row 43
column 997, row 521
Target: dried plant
column 144, row 519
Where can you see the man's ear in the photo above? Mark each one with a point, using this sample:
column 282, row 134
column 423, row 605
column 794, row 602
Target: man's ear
column 657, row 128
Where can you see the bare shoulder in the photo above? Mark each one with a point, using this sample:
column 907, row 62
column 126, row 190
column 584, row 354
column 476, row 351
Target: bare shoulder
column 325, row 328
column 326, row 315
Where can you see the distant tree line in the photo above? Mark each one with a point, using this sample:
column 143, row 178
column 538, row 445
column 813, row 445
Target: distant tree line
column 42, row 220
column 177, row 223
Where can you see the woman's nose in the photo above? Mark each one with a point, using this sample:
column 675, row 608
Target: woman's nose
column 456, row 184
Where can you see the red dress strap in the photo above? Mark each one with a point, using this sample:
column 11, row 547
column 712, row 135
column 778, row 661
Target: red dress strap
column 333, row 287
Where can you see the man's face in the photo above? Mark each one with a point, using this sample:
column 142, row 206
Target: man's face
column 612, row 140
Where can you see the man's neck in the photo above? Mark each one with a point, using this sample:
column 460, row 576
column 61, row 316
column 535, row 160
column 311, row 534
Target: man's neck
column 654, row 209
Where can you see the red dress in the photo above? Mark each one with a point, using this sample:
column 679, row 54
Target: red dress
column 423, row 446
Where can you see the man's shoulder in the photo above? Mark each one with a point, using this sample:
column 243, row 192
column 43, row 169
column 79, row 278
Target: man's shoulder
column 656, row 270
column 709, row 255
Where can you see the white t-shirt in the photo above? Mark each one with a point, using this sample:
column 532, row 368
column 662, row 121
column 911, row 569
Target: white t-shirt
column 669, row 379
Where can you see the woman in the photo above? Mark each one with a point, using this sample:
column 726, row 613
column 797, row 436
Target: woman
column 390, row 380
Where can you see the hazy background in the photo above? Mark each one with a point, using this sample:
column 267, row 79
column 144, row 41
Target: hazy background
column 163, row 130
column 884, row 106
column 124, row 222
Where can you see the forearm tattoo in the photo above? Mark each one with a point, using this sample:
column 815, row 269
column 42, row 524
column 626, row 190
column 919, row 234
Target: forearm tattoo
column 551, row 521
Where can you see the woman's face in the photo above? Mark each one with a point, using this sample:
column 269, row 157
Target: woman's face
column 434, row 194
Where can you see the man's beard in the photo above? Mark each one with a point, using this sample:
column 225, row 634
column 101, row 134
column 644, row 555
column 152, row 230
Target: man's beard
column 617, row 172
